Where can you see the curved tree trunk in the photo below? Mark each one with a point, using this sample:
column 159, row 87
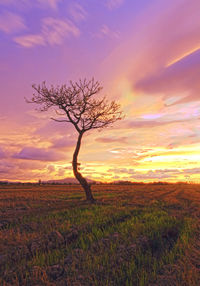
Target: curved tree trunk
column 78, row 175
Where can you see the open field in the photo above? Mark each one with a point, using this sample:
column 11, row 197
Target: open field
column 134, row 235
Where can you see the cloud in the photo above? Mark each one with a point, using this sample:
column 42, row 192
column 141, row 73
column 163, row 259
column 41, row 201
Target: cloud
column 54, row 129
column 77, row 12
column 186, row 139
column 51, row 3
column 191, row 171
column 51, row 168
column 158, row 174
column 11, row 2
column 111, row 139
column 106, row 31
column 6, row 2
column 11, row 22
column 21, row 4
column 121, row 171
column 165, row 173
column 151, row 123
column 2, row 154
column 61, row 171
column 41, row 154
column 5, row 168
column 180, row 77
column 134, row 153
column 112, row 4
column 155, row 174
column 3, row 118
column 63, row 143
column 56, row 30
column 29, row 41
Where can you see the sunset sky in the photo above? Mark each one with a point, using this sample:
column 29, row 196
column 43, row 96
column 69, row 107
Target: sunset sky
column 146, row 55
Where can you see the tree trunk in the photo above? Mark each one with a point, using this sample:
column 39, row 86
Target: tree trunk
column 78, row 175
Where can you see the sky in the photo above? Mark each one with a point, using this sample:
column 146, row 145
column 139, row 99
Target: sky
column 145, row 54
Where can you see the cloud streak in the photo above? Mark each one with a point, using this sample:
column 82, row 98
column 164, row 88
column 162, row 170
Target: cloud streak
column 29, row 41
column 11, row 23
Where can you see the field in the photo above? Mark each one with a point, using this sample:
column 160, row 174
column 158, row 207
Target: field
column 134, row 235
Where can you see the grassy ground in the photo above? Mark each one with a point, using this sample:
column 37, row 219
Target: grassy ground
column 134, row 235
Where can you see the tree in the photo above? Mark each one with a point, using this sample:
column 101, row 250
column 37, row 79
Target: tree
column 76, row 103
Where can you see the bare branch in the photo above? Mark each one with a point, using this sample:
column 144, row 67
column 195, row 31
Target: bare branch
column 59, row 120
column 77, row 104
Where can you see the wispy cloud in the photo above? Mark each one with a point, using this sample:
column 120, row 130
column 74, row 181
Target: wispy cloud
column 112, row 4
column 54, row 31
column 105, row 31
column 29, row 41
column 11, row 22
column 77, row 12
column 23, row 4
column 51, row 3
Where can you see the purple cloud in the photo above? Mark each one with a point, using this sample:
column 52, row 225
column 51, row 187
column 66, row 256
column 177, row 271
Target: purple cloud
column 56, row 30
column 11, row 22
column 2, row 154
column 77, row 12
column 179, row 77
column 51, row 3
column 30, row 40
column 31, row 153
column 53, row 129
column 5, row 168
column 63, row 142
column 53, row 32
column 112, row 4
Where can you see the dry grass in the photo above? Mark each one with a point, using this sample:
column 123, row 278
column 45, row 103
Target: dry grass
column 134, row 235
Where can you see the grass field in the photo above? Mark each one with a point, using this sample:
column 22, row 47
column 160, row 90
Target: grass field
column 134, row 235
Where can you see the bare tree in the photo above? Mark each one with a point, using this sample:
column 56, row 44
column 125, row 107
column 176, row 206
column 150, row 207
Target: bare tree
column 75, row 104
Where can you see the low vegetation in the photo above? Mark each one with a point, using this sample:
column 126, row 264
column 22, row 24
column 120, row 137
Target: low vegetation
column 134, row 235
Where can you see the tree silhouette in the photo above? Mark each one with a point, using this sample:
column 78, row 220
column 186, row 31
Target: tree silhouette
column 76, row 103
